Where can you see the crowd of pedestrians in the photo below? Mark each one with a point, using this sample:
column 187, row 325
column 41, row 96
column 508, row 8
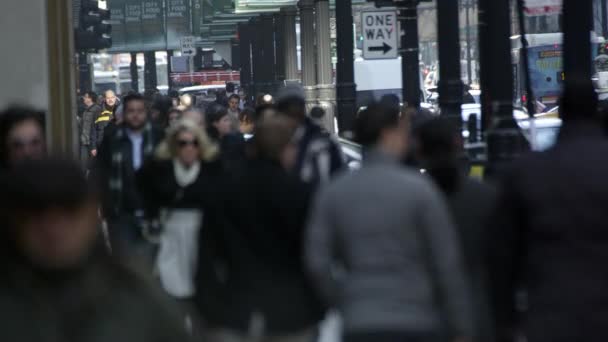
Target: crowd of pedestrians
column 225, row 223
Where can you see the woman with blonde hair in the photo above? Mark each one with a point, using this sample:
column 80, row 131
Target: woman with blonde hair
column 178, row 188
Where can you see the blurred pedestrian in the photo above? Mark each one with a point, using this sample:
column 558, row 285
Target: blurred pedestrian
column 181, row 205
column 185, row 162
column 91, row 113
column 98, row 129
column 234, row 110
column 221, row 98
column 247, row 122
column 438, row 150
column 266, row 209
column 220, row 129
column 230, row 89
column 195, row 114
column 187, row 101
column 21, row 135
column 110, row 101
column 403, row 279
column 173, row 116
column 159, row 113
column 120, row 157
column 58, row 283
column 319, row 155
column 549, row 241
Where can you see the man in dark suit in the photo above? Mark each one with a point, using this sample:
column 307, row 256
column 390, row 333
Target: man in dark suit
column 120, row 156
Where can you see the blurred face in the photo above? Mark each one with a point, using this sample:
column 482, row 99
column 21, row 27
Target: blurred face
column 224, row 125
column 195, row 116
column 394, row 141
column 173, row 117
column 110, row 99
column 289, row 157
column 25, row 141
column 87, row 100
column 135, row 115
column 188, row 149
column 58, row 238
column 233, row 104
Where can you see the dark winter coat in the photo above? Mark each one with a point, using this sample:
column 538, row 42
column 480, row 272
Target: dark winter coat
column 128, row 199
column 102, row 302
column 88, row 119
column 550, row 238
column 159, row 189
column 319, row 155
column 262, row 243
column 98, row 128
column 232, row 151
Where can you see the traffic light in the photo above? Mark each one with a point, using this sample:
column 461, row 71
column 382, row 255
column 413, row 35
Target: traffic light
column 93, row 32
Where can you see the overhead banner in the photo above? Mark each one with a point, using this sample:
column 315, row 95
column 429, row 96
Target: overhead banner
column 543, row 7
column 153, row 25
column 133, row 29
column 255, row 6
column 179, row 22
column 117, row 20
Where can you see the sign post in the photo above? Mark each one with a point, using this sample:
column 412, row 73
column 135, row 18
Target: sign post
column 380, row 35
column 187, row 46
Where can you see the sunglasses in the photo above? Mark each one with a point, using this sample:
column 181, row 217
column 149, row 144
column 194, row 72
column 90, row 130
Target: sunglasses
column 184, row 143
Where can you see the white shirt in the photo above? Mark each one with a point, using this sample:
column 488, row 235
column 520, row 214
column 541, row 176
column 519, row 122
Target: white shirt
column 137, row 141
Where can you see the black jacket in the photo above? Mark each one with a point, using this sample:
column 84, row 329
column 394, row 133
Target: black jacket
column 88, row 120
column 98, row 128
column 129, row 199
column 261, row 241
column 102, row 302
column 159, row 189
column 550, row 238
column 319, row 155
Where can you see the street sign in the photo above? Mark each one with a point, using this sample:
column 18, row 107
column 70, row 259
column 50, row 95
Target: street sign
column 187, row 45
column 380, row 34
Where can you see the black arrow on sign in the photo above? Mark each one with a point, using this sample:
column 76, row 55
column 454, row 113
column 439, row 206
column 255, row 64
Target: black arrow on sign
column 384, row 48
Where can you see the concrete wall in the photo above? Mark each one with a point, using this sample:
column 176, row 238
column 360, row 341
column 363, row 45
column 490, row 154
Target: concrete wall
column 24, row 58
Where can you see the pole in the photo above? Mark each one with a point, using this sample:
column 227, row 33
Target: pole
column 169, row 67
column 504, row 139
column 134, row 73
column 345, row 83
column 279, row 50
column 468, row 6
column 267, row 46
column 256, row 57
column 150, row 80
column 410, row 68
column 326, row 94
column 579, row 97
column 84, row 73
column 604, row 11
column 450, row 83
column 307, row 39
column 245, row 43
column 290, row 43
column 578, row 22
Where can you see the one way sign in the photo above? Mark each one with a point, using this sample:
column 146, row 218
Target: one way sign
column 380, row 34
